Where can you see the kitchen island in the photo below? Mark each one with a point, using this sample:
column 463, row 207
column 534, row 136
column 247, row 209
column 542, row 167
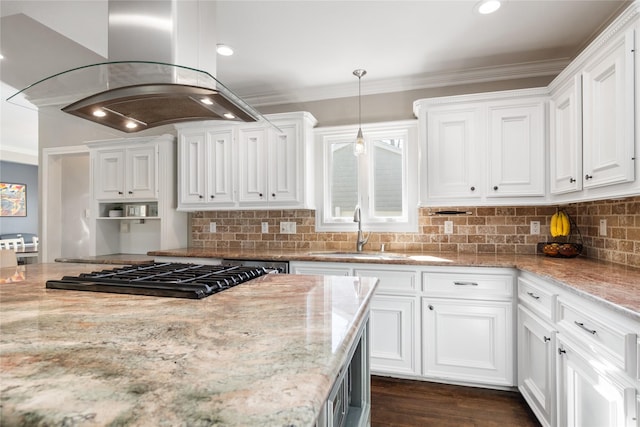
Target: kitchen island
column 265, row 353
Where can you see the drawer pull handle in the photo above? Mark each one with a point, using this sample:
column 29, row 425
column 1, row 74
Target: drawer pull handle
column 465, row 283
column 591, row 331
column 532, row 295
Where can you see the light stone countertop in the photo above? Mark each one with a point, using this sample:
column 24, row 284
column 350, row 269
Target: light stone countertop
column 264, row 353
column 612, row 285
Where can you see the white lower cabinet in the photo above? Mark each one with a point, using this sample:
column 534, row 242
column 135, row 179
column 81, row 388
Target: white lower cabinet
column 590, row 393
column 393, row 330
column 536, row 365
column 467, row 340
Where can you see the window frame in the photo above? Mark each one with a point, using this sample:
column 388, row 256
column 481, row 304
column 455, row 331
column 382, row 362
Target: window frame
column 325, row 137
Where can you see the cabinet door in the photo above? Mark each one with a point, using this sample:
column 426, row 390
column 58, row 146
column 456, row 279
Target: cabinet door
column 283, row 165
column 587, row 396
column 252, row 161
column 141, row 179
column 536, row 365
column 109, row 182
column 192, row 167
column 393, row 335
column 453, row 150
column 565, row 144
column 608, row 108
column 469, row 341
column 516, row 150
column 219, row 169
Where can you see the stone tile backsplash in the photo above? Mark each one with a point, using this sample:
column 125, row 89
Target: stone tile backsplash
column 503, row 229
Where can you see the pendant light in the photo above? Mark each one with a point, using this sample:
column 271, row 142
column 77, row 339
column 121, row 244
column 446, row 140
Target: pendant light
column 359, row 147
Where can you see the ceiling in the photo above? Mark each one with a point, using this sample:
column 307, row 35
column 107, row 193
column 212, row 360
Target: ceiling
column 305, row 50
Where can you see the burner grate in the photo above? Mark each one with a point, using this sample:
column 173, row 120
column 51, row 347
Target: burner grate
column 162, row 279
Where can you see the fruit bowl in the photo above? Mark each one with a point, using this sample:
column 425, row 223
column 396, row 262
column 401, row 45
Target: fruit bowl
column 560, row 249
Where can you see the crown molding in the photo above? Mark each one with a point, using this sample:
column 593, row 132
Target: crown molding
column 424, row 81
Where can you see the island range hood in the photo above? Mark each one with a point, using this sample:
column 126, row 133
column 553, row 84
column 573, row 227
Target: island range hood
column 141, row 86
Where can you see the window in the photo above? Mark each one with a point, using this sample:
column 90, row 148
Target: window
column 383, row 181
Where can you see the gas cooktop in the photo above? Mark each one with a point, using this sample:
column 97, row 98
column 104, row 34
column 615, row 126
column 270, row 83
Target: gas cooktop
column 162, row 279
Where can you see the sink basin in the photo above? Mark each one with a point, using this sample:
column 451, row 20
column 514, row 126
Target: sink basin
column 359, row 255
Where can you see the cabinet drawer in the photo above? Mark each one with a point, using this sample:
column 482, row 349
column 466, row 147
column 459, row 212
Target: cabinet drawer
column 604, row 335
column 391, row 281
column 536, row 297
column 468, row 285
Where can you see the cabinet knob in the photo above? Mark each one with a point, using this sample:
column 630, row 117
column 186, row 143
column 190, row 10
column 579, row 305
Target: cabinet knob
column 201, row 196
column 273, row 195
column 260, row 194
column 473, row 188
column 430, row 307
column 572, row 180
column 130, row 192
column 561, row 351
column 120, row 192
column 547, row 339
column 495, row 188
column 212, row 196
column 587, row 176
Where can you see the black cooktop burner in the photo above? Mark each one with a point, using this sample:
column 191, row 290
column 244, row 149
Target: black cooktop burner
column 162, row 279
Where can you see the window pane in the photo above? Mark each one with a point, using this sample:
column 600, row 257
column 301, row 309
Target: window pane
column 344, row 180
column 387, row 177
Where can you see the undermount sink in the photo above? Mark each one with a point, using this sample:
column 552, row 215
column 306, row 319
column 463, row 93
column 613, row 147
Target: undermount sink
column 359, row 255
column 380, row 255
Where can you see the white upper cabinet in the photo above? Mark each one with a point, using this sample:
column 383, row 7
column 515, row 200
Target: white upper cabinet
column 565, row 138
column 484, row 148
column 206, row 172
column 516, row 144
column 246, row 166
column 608, row 108
column 453, row 169
column 126, row 173
column 593, row 141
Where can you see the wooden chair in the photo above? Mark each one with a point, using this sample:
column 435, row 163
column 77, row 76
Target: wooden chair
column 13, row 244
column 8, row 258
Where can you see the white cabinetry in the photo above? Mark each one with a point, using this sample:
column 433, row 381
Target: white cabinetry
column 594, row 144
column 271, row 166
column 608, row 106
column 247, row 166
column 536, row 348
column 395, row 322
column 577, row 360
column 394, row 313
column 467, row 327
column 565, row 138
column 589, row 396
column 206, row 170
column 484, row 148
column 136, row 176
column 126, row 173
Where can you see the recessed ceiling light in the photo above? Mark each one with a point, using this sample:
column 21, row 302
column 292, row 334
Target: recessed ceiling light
column 131, row 125
column 99, row 113
column 224, row 50
column 206, row 101
column 229, row 116
column 486, row 7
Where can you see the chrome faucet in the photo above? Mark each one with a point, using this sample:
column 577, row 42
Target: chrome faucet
column 361, row 240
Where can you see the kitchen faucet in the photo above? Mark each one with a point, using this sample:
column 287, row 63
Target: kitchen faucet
column 361, row 241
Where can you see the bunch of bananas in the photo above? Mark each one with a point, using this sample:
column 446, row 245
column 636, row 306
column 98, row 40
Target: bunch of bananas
column 560, row 224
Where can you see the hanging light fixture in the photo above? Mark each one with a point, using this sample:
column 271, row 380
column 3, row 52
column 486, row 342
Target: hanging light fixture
column 359, row 147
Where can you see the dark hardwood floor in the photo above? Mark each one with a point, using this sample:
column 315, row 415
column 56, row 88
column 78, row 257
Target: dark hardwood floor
column 396, row 402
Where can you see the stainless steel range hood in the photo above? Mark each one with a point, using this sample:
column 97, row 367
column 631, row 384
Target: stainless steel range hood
column 141, row 86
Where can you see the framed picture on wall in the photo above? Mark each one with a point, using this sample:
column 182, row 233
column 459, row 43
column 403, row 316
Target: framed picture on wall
column 13, row 199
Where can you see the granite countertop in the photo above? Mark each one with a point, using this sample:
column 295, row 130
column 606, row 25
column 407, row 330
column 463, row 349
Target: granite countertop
column 262, row 353
column 613, row 285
